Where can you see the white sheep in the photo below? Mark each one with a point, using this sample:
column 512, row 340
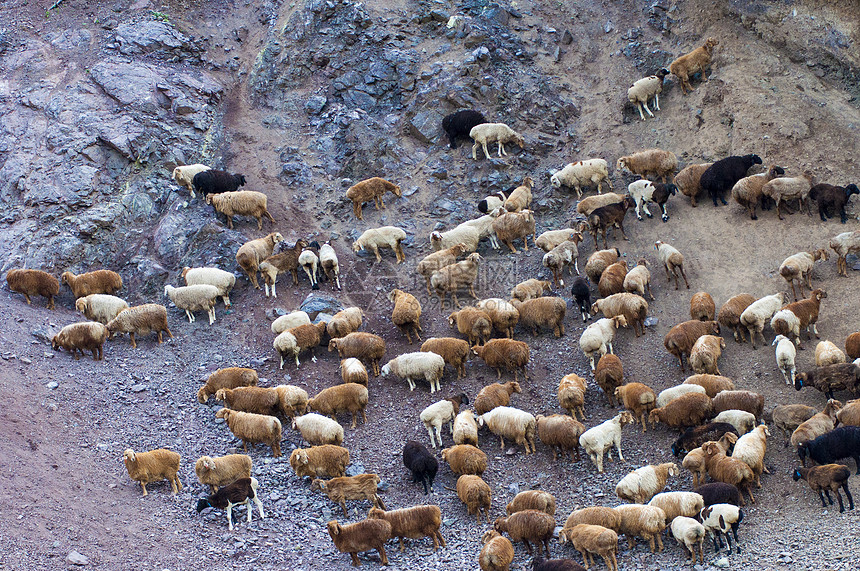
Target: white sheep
column 409, row 366
column 184, row 175
column 668, row 395
column 675, row 504
column 640, row 485
column 317, row 429
column 437, row 414
column 309, row 261
column 597, row 338
column 484, row 224
column 844, row 244
column 212, row 276
column 689, row 533
column 561, row 257
column 511, row 423
column 194, row 298
column 582, row 173
column 468, row 235
column 465, row 429
column 785, row 354
column 644, row 89
column 644, row 191
column 290, row 320
column 385, row 237
column 759, row 312
column 329, row 263
column 100, row 307
column 286, row 343
column 742, row 420
column 720, row 519
column 601, row 438
column 672, row 260
column 494, row 133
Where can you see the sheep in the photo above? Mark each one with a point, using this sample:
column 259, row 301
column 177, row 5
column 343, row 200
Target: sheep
column 690, row 409
column 695, row 460
column 194, row 298
column 849, row 415
column 521, row 197
column 492, row 202
column 718, row 493
column 184, row 175
column 722, row 468
column 83, row 336
column 309, row 261
column 98, row 281
column 454, row 351
column 494, row 133
column 599, row 261
column 437, row 414
column 827, row 353
column 605, row 217
column 643, row 483
column 844, row 244
column 475, row 493
column 216, row 181
column 454, row 277
column 343, row 322
column 723, row 174
column 140, row 320
column 612, row 279
column 697, row 61
column 329, row 263
column 484, row 226
column 505, row 354
column 582, row 295
column 532, row 500
column 406, row 314
column 750, row 448
column 741, row 420
column 241, row 203
column 591, row 203
column 253, row 428
column 730, row 314
column 788, row 417
column 421, row 463
column 413, row 523
column 562, row 432
column 561, row 257
column 740, row 400
column 852, row 346
column 323, row 461
column 638, row 280
column 370, row 189
column 224, row 281
column 831, row 197
column 689, row 533
column 33, row 282
column 583, row 173
column 465, row 459
column 705, row 353
column 785, row 354
column 837, row 377
column 511, row 423
column 681, row 338
column 702, row 306
column 502, row 313
column 599, row 515
column 799, row 267
column 653, row 162
column 609, row 375
column 712, row 384
column 438, row 260
column 758, row 313
column 541, row 564
column 601, row 438
column 281, row 263
column 839, row 443
column 530, row 289
column 688, row 181
column 473, row 323
column 528, row 526
column 647, row 522
column 252, row 253
column 719, row 519
column 672, row 260
column 512, row 226
column 100, row 307
column 468, row 235
column 552, row 238
column 494, row 395
column 222, row 470
column 678, row 504
column 571, row 394
column 465, row 428
column 242, row 491
column 644, row 89
column 458, row 124
column 365, row 535
column 366, row 347
column 638, row 399
column 592, row 539
column 497, row 554
column 409, row 366
column 360, row 487
column 543, row 312
column 384, row 237
column 788, row 188
column 294, row 400
column 695, row 436
column 597, row 338
column 644, row 191
column 633, row 307
column 747, row 191
column 825, row 479
column 349, row 397
column 259, row 400
column 817, row 424
column 297, row 339
column 153, row 466
column 794, row 317
column 317, row 429
column 228, row 378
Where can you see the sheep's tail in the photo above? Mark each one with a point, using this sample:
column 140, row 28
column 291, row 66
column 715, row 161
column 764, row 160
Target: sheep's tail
column 450, row 489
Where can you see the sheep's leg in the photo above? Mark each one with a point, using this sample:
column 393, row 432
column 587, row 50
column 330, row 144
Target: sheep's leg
column 259, row 507
column 295, row 274
column 356, row 209
column 639, row 107
column 502, row 441
column 647, row 212
column 229, row 516
column 501, row 149
column 230, row 222
column 439, row 434
column 226, row 299
column 432, row 441
column 498, row 373
column 355, row 561
column 665, row 216
column 343, row 505
column 827, row 493
column 134, row 345
column 484, row 147
column 475, row 157
column 848, row 494
column 375, row 250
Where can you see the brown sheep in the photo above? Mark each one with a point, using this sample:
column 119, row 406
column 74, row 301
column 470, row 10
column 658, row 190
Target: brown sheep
column 638, row 398
column 259, row 400
column 366, row 347
column 599, row 261
column 849, row 415
column 502, row 313
column 512, row 226
column 612, row 279
column 349, row 397
column 730, row 314
column 595, row 539
column 609, row 216
column 454, row 351
column 497, row 553
column 681, row 338
column 360, row 487
column 596, row 515
column 473, row 323
column 827, row 478
column 140, row 320
column 344, row 322
column 406, row 314
column 370, row 189
column 788, row 417
column 705, row 353
column 454, row 277
column 362, row 536
column 562, row 432
column 688, row 181
column 505, row 354
column 438, row 260
column 543, row 312
column 495, row 395
column 531, row 289
column 281, row 263
column 690, row 409
column 649, row 163
column 228, row 378
column 84, row 336
column 528, row 526
column 749, row 401
column 609, row 375
column 632, row 306
column 253, row 428
column 817, row 424
column 722, row 468
column 328, row 460
column 852, row 346
column 222, row 470
column 712, row 384
column 475, row 493
column 98, row 281
column 521, row 197
column 465, row 459
column 532, row 500
column 571, row 394
column 308, row 337
column 252, row 253
column 698, row 60
column 33, row 282
column 702, row 306
column 241, row 203
column 413, row 523
column 638, row 280
column 806, row 313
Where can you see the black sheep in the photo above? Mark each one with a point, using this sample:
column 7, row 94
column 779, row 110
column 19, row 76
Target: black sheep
column 242, row 491
column 421, row 463
column 836, row 377
column 842, row 442
column 606, row 217
column 661, row 194
column 216, row 182
column 832, row 198
column 541, row 564
column 695, row 436
column 719, row 493
column 458, row 124
column 582, row 295
column 723, row 174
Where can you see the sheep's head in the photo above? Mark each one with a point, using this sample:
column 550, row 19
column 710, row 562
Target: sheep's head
column 545, row 284
column 393, row 295
column 474, row 257
column 202, row 395
column 513, row 387
column 276, row 237
column 55, row 342
column 65, row 277
column 715, row 328
column 672, row 469
column 386, row 369
column 528, row 182
column 333, row 528
column 208, row 198
column 501, row 524
column 207, row 462
column 375, row 513
column 332, row 345
column 625, row 418
column 240, row 179
column 797, row 475
column 445, row 453
column 129, row 456
column 221, row 394
column 488, row 535
column 621, row 164
column 710, row 44
column 654, row 416
column 595, row 307
column 395, row 190
column 318, row 484
column 223, row 413
column 851, row 189
column 460, row 249
column 356, row 246
column 519, row 140
column 81, row 304
column 555, row 181
column 619, row 321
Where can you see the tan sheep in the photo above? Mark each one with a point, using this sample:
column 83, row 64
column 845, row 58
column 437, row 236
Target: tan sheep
column 597, row 540
column 559, row 431
column 385, row 237
column 521, row 197
column 140, row 320
column 633, row 307
column 33, row 282
column 515, row 226
column 494, row 395
column 643, row 483
column 497, row 554
column 98, row 281
column 183, row 175
column 694, row 461
column 844, row 244
column 816, row 425
column 827, row 353
column 505, row 354
column 561, row 257
column 597, row 515
column 454, row 277
column 705, row 353
column 413, row 523
column 100, row 307
column 222, row 470
column 328, row 460
column 353, row 371
column 360, row 487
column 317, row 429
column 84, row 336
column 406, row 314
column 454, row 351
column 712, row 384
column 740, row 400
column 473, row 323
column 259, row 400
column 849, row 415
column 747, row 191
column 465, row 428
column 502, row 313
column 599, row 261
column 697, row 61
column 153, row 466
column 730, row 314
column 367, row 347
column 530, row 289
column 370, row 189
column 702, row 306
column 638, row 398
column 788, row 417
column 532, row 500
column 438, row 260
column 591, row 203
column 647, row 522
column 229, row 378
column 349, row 397
column 688, row 181
column 648, row 163
column 253, row 428
column 344, row 322
column 465, row 459
column 252, row 253
column 542, row 313
column 799, row 268
column 681, row 338
column 241, row 203
column 475, row 493
column 789, row 188
column 571, row 394
column 673, row 262
column 638, row 280
column 494, row 133
column 552, row 238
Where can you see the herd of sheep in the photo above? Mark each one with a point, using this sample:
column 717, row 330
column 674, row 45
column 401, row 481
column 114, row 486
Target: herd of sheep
column 721, row 435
